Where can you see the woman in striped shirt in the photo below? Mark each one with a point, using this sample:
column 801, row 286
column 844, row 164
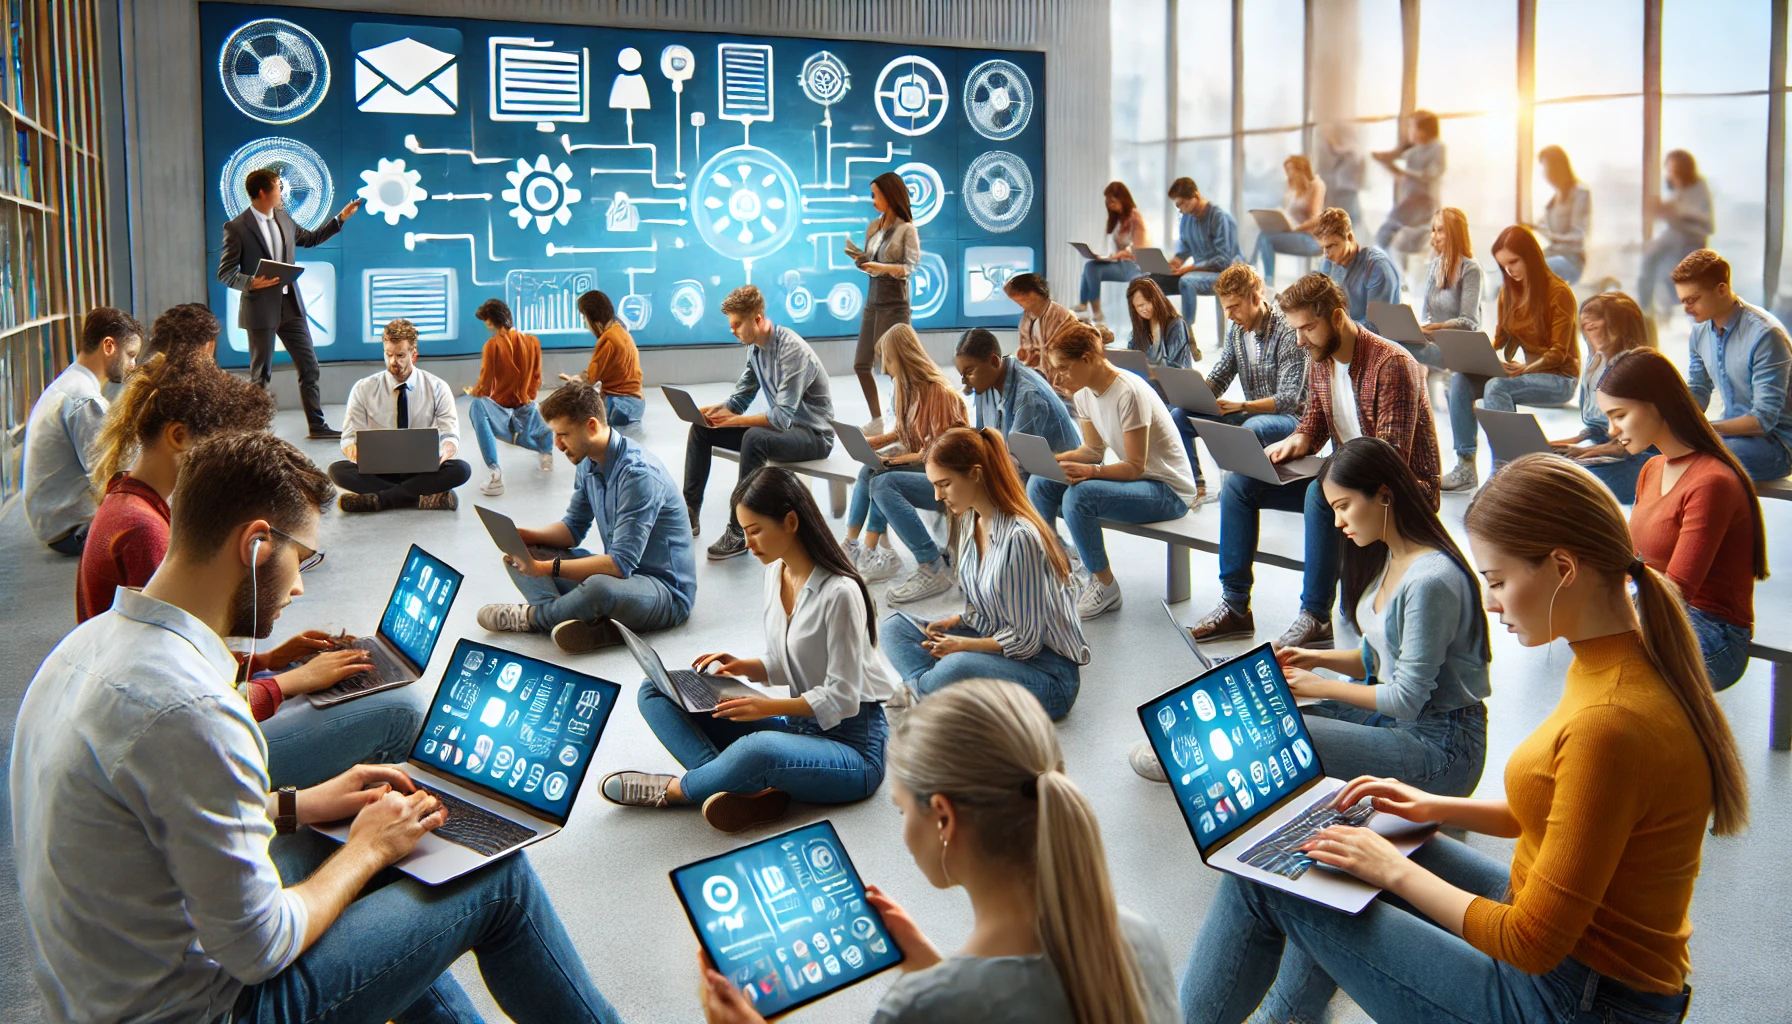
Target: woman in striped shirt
column 1020, row 621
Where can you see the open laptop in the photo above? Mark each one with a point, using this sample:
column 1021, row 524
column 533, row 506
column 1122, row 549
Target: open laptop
column 411, row 450
column 1238, row 450
column 1034, row 453
column 684, row 405
column 1152, row 261
column 1250, row 786
column 1187, row 389
column 1201, row 656
column 1129, row 359
column 504, row 534
column 1513, row 435
column 400, row 648
column 1396, row 321
column 507, row 742
column 853, row 439
column 786, row 918
column 1272, row 222
column 1469, row 352
column 1086, row 252
column 696, row 692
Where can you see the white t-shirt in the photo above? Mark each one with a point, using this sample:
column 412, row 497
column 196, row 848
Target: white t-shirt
column 1128, row 404
column 1345, row 426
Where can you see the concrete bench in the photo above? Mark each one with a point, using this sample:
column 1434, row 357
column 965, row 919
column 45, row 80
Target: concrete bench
column 1779, row 721
column 838, row 469
column 1284, row 549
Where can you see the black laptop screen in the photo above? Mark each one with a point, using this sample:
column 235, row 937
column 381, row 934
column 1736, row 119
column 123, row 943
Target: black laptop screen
column 517, row 727
column 419, row 605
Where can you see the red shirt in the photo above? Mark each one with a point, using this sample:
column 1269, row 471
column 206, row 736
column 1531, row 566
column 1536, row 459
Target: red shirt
column 1701, row 535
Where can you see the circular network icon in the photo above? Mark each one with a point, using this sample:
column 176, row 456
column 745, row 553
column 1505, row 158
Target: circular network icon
column 926, row 192
column 998, row 191
column 274, row 71
column 746, row 203
column 635, row 310
column 911, row 95
column 845, row 300
column 555, row 786
column 687, row 302
column 998, row 99
column 824, row 78
column 541, row 193
column 799, row 304
column 304, row 179
column 720, row 892
column 569, row 755
column 928, row 286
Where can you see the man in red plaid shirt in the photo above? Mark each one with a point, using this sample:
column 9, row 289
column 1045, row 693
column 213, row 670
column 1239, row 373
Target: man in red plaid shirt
column 1358, row 385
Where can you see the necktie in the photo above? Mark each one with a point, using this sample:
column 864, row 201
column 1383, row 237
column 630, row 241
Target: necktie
column 402, row 393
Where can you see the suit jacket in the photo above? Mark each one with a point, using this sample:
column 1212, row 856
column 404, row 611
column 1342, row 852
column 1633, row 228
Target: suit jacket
column 243, row 252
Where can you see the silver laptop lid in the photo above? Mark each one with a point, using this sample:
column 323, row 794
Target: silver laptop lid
column 1187, row 637
column 649, row 660
column 504, row 533
column 857, row 445
column 1034, row 453
column 683, row 404
column 1187, row 389
column 1396, row 322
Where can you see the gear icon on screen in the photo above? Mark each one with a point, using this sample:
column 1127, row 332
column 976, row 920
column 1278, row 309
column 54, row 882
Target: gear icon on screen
column 392, row 191
column 540, row 192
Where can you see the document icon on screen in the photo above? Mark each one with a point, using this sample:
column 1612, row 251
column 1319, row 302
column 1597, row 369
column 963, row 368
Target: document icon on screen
column 531, row 81
column 406, row 69
column 426, row 296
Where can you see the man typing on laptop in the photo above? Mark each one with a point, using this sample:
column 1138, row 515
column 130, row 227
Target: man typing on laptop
column 153, row 881
column 646, row 578
column 403, row 396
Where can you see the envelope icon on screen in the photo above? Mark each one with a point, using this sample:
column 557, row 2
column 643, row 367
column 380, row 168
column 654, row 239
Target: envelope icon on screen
column 406, row 76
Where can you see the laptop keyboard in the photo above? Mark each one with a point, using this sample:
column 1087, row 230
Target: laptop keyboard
column 476, row 828
column 695, row 688
column 1279, row 853
column 384, row 668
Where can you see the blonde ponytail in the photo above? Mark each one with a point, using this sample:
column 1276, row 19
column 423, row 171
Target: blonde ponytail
column 988, row 747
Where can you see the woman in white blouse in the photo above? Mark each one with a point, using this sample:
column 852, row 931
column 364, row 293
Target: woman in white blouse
column 1020, row 621
column 823, row 744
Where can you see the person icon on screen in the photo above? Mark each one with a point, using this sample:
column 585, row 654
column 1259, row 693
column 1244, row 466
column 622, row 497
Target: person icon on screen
column 629, row 91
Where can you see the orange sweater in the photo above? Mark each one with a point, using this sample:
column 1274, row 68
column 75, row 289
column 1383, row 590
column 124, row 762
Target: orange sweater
column 1612, row 794
column 615, row 362
column 1556, row 352
column 509, row 369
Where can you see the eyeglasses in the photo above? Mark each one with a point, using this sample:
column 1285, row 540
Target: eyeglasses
column 311, row 556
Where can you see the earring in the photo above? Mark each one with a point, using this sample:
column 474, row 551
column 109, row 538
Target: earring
column 944, row 843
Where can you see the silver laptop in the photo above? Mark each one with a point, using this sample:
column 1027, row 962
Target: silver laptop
column 1130, row 359
column 1238, row 450
column 1206, row 662
column 684, row 405
column 1395, row 321
column 387, row 452
column 1514, row 435
column 1250, row 786
column 1469, row 352
column 1034, row 453
column 1187, row 389
column 412, row 622
column 504, row 534
column 1272, row 222
column 1085, row 251
column 507, row 742
column 859, row 447
column 1152, row 261
column 696, row 692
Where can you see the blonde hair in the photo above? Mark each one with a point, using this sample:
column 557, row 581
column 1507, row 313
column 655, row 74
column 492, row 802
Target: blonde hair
column 747, row 301
column 912, row 371
column 1544, row 503
column 1456, row 245
column 988, row 747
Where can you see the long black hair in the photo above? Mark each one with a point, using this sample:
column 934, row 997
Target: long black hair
column 1370, row 465
column 775, row 492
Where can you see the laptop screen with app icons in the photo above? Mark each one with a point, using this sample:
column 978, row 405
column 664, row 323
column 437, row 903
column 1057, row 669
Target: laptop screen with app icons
column 419, row 605
column 786, row 918
column 1233, row 743
column 521, row 729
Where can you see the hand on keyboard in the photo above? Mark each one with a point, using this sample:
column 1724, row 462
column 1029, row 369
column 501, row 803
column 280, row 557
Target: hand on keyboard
column 1362, row 852
column 1287, row 851
column 323, row 671
column 476, row 828
column 393, row 824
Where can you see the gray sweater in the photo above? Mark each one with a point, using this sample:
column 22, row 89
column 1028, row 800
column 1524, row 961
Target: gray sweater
column 1434, row 636
column 1457, row 306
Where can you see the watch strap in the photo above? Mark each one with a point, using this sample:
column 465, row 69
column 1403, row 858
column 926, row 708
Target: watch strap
column 286, row 810
column 557, row 566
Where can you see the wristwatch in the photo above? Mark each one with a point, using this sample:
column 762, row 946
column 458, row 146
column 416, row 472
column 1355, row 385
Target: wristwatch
column 286, row 810
column 557, row 566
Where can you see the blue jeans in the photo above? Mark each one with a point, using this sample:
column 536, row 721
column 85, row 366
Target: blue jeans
column 1240, row 502
column 642, row 603
column 521, row 426
column 1398, row 965
column 817, row 766
column 859, row 510
column 1724, row 646
column 308, row 745
column 1292, row 243
column 756, row 445
column 621, row 410
column 1191, row 285
column 1269, row 427
column 898, row 497
column 1765, row 458
column 1567, row 267
column 1048, row 675
column 1085, row 505
column 1663, row 253
column 1499, row 393
column 387, row 956
column 1097, row 271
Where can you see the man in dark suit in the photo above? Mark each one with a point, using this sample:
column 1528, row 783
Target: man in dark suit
column 269, row 308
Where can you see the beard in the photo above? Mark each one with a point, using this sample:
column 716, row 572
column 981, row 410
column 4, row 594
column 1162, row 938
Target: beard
column 254, row 606
column 1321, row 352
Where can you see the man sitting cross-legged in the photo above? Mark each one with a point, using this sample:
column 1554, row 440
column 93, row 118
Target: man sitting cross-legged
column 646, row 578
column 153, row 881
column 400, row 396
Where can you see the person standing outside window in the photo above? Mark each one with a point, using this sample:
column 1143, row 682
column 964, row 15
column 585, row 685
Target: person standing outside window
column 1125, row 231
column 1686, row 225
column 1739, row 352
column 615, row 365
column 1303, row 201
column 1418, row 170
column 504, row 396
column 1366, row 273
column 1567, row 217
column 892, row 252
column 1206, row 243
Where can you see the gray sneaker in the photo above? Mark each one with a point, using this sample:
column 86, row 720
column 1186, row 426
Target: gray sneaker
column 1144, row 761
column 1462, row 478
column 1307, row 631
column 930, row 580
column 637, row 789
column 732, row 543
column 879, row 563
column 505, row 618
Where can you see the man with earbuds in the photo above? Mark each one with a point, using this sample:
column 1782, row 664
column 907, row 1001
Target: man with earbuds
column 161, row 878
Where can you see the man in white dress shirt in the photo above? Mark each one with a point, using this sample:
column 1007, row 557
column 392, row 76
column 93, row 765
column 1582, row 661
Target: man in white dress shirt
column 402, row 395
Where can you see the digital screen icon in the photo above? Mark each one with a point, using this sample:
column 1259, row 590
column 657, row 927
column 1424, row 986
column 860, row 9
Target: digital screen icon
column 555, row 786
column 1206, row 822
column 853, row 956
column 1303, row 753
column 1288, row 725
column 1219, row 745
column 426, row 296
column 317, row 289
column 812, row 972
column 547, row 301
column 986, row 269
column 911, row 95
column 746, row 82
column 532, row 81
column 508, row 676
column 1204, row 708
column 418, row 72
column 569, row 755
column 493, row 713
column 274, row 71
column 1166, row 717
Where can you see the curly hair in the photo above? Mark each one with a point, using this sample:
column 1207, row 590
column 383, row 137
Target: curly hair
column 182, row 330
column 165, row 391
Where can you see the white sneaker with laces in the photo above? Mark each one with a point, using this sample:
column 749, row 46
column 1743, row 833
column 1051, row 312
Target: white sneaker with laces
column 855, row 553
column 494, row 486
column 930, row 580
column 1097, row 598
column 880, row 563
column 547, row 462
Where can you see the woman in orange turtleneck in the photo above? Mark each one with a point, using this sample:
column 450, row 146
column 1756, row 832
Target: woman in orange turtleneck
column 1609, row 800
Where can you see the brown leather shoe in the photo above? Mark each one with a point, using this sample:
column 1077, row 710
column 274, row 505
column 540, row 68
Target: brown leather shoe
column 1224, row 623
column 359, row 503
column 577, row 636
column 443, row 502
column 737, row 812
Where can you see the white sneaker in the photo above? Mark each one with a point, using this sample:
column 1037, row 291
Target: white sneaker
column 930, row 580
column 855, row 553
column 1144, row 761
column 1097, row 598
column 494, row 486
column 547, row 462
column 1462, row 478
column 880, row 563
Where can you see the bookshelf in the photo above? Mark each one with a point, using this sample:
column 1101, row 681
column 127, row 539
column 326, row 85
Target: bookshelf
column 52, row 202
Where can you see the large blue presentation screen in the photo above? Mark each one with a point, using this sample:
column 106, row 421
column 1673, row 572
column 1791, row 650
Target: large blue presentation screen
column 534, row 162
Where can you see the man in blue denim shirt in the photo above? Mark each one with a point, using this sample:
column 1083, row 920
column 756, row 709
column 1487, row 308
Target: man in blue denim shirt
column 1207, row 243
column 646, row 578
column 1366, row 273
column 1011, row 397
column 1741, row 352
